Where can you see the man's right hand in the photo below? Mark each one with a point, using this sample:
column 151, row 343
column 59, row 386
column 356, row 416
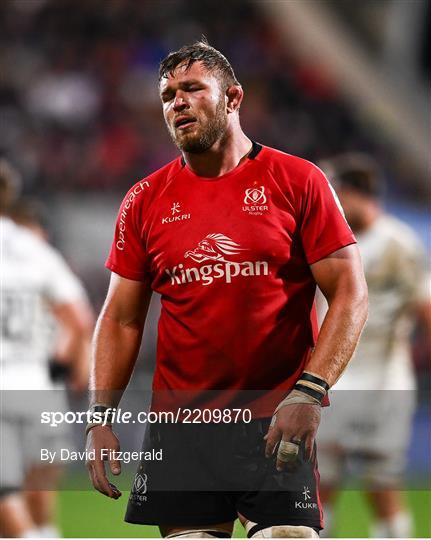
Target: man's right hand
column 103, row 438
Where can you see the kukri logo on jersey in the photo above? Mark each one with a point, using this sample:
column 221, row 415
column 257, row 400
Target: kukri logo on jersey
column 218, row 249
column 176, row 214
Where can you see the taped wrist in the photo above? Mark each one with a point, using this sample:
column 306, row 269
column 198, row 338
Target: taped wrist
column 295, row 397
column 312, row 385
column 100, row 415
column 309, row 389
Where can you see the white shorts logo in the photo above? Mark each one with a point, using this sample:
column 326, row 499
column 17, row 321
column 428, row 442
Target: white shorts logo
column 218, row 248
column 140, row 483
column 305, row 505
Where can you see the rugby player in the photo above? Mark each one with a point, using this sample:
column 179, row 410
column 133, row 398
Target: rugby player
column 38, row 289
column 375, row 441
column 234, row 236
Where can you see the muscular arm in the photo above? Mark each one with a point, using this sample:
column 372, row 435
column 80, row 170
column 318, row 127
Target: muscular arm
column 116, row 343
column 117, row 338
column 340, row 278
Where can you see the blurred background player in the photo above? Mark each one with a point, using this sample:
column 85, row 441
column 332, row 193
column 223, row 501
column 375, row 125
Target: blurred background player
column 45, row 315
column 372, row 424
column 32, row 214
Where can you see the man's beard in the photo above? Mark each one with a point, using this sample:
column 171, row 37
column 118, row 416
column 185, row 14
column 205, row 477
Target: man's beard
column 205, row 138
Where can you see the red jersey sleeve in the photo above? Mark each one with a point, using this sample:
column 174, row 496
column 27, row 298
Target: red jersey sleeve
column 128, row 256
column 324, row 228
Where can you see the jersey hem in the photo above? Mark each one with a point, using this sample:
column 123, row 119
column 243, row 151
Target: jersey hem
column 128, row 274
column 326, row 250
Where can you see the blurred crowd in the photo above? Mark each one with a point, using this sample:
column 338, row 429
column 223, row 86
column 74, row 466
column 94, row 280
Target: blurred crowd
column 79, row 101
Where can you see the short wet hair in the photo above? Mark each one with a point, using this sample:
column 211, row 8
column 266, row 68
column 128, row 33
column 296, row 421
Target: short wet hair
column 200, row 51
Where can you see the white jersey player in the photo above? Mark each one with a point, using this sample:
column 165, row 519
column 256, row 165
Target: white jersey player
column 36, row 284
column 34, row 278
column 395, row 267
column 369, row 422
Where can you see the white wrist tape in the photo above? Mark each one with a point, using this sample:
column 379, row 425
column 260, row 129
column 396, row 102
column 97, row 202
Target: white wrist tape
column 294, row 398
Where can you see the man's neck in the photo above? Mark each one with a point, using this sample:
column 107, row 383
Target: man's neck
column 222, row 157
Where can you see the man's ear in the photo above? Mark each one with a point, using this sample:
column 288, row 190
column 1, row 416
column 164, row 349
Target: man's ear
column 234, row 96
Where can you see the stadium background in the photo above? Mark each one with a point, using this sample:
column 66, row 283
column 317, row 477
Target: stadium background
column 81, row 120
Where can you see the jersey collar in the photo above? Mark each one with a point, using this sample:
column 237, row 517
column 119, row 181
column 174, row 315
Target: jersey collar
column 255, row 149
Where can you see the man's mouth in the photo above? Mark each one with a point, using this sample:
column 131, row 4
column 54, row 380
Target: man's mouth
column 184, row 121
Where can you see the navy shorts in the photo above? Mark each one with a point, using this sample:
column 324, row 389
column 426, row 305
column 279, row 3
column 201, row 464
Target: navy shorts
column 210, row 472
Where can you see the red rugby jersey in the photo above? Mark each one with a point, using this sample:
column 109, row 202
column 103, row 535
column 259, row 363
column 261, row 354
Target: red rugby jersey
column 231, row 259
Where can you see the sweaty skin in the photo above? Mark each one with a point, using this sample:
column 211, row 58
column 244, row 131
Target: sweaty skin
column 340, row 278
column 197, row 96
column 116, row 343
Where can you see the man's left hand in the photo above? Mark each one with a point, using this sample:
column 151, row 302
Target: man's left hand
column 292, row 425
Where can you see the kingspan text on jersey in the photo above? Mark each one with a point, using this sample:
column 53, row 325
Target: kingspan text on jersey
column 209, row 272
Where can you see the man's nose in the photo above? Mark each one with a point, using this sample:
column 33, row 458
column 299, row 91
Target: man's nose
column 180, row 103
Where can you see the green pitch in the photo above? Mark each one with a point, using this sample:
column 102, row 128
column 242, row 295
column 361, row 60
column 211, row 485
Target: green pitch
column 89, row 514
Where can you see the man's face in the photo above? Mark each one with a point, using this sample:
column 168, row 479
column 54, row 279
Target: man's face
column 194, row 108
